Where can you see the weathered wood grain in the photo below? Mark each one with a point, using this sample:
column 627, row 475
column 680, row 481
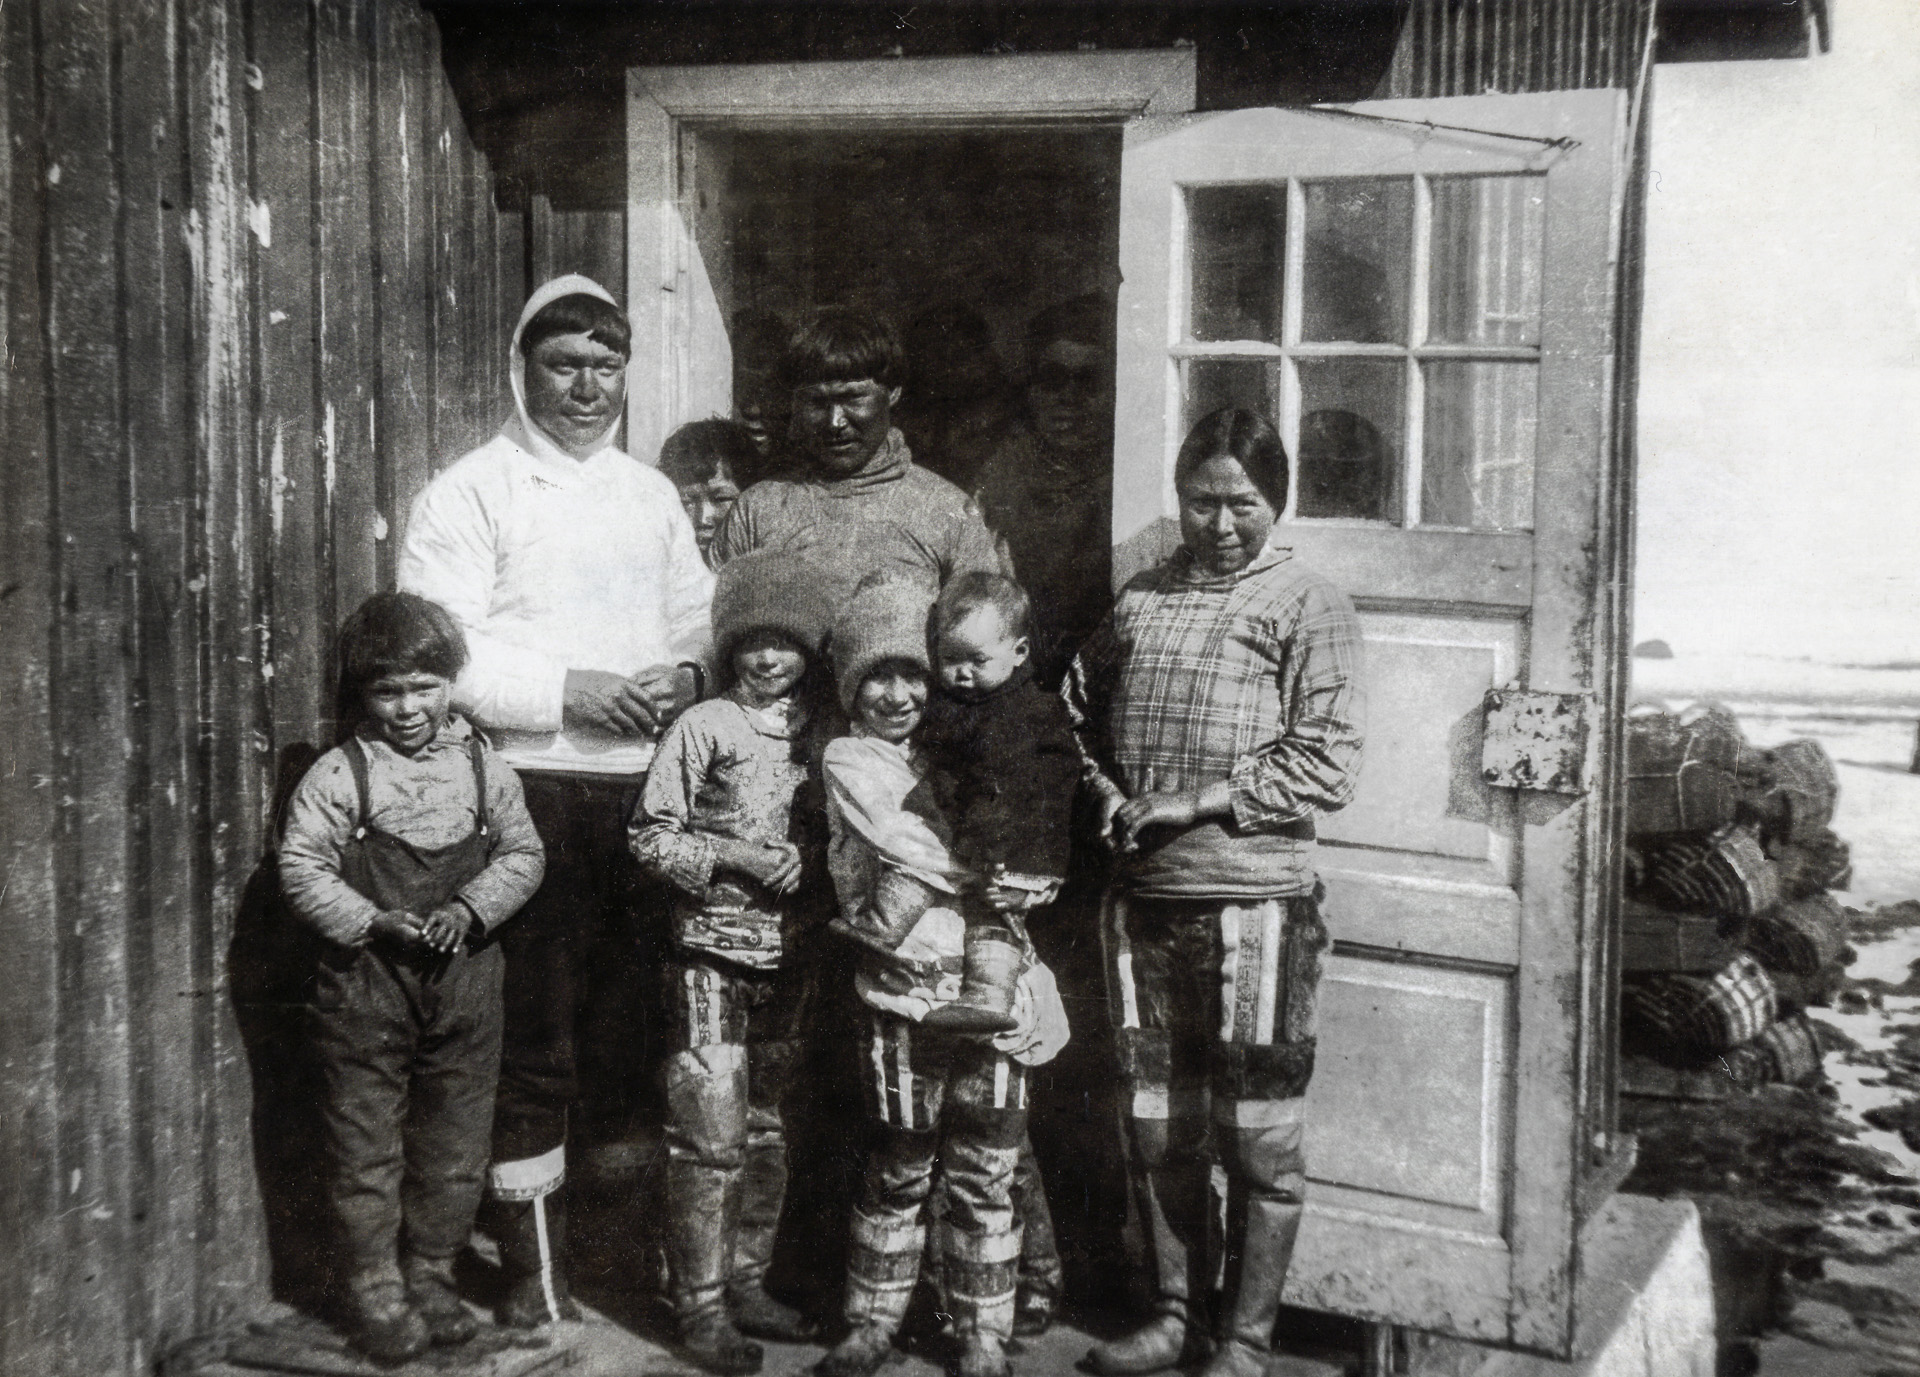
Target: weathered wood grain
column 87, row 662
column 29, row 1187
column 226, row 369
column 167, row 938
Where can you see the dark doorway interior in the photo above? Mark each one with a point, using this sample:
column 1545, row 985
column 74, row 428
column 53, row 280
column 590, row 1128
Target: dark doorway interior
column 1004, row 221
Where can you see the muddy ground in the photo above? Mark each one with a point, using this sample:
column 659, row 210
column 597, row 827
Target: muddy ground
column 1810, row 1198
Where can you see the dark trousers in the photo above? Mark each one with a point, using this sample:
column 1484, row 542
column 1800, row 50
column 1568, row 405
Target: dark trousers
column 577, row 968
column 410, row 1050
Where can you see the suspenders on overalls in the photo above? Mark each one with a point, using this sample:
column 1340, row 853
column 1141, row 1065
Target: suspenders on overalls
column 396, row 874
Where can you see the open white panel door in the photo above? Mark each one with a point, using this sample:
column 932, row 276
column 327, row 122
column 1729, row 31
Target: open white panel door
column 1421, row 293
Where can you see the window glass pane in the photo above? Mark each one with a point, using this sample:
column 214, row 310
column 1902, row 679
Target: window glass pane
column 1352, row 435
column 1359, row 244
column 1487, row 235
column 1236, row 238
column 1214, row 383
column 1481, row 419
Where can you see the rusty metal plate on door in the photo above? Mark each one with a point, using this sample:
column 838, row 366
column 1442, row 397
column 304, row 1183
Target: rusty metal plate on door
column 1535, row 741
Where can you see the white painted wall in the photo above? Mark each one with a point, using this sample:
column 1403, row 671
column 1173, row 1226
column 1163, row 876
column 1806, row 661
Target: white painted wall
column 1780, row 386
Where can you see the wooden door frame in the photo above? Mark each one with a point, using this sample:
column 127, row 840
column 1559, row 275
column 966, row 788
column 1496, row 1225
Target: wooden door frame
column 675, row 340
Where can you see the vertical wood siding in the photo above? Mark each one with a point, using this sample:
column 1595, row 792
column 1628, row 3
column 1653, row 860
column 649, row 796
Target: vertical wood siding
column 256, row 291
column 1477, row 47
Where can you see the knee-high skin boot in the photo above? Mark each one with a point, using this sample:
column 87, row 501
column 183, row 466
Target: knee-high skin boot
column 882, row 1268
column 980, row 1270
column 1170, row 1190
column 533, row 1245
column 705, row 1139
column 1040, row 1278
column 1265, row 1200
column 760, row 1192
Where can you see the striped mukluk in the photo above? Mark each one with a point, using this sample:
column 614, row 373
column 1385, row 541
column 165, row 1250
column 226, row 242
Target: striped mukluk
column 961, row 1103
column 1214, row 1007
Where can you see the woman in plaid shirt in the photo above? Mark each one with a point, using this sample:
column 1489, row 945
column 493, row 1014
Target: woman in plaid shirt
column 1218, row 711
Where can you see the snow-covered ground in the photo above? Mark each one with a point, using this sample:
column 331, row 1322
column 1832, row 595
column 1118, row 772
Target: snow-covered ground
column 1865, row 717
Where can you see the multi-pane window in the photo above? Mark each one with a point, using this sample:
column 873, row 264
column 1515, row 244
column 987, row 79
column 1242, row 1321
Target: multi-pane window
column 1391, row 328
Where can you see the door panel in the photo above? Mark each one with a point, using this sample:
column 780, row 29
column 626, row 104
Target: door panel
column 1420, row 295
column 1433, row 1043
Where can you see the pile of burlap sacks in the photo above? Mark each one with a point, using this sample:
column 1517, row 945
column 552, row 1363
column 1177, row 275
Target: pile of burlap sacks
column 1729, row 933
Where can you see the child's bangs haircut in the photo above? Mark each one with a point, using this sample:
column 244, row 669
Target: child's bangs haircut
column 966, row 594
column 695, row 452
column 398, row 633
column 1246, row 437
column 842, row 344
column 579, row 313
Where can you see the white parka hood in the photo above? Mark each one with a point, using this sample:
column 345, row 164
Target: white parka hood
column 521, row 429
column 550, row 564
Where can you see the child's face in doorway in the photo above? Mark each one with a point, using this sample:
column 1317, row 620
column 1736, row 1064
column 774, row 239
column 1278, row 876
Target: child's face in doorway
column 767, row 667
column 408, row 710
column 891, row 700
column 977, row 654
column 708, row 502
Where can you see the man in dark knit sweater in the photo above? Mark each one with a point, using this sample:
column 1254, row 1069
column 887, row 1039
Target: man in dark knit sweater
column 860, row 506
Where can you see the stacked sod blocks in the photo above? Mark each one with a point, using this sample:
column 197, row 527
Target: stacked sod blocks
column 1729, row 933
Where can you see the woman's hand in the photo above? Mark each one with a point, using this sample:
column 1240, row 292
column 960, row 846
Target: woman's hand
column 1136, row 815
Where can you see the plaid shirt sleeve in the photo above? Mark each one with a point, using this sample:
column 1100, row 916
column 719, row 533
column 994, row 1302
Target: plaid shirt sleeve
column 1086, row 691
column 1312, row 765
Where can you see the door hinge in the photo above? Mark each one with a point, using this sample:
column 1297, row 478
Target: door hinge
column 1535, row 741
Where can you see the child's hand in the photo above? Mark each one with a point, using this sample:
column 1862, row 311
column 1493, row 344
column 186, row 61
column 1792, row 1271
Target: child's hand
column 775, row 866
column 445, row 928
column 781, row 872
column 397, row 926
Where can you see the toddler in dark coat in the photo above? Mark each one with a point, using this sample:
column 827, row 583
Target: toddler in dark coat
column 1002, row 747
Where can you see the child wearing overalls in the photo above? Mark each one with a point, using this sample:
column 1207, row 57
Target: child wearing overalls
column 404, row 848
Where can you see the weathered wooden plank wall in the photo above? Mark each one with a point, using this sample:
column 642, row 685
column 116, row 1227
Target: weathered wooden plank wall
column 1476, row 47
column 593, row 242
column 256, row 289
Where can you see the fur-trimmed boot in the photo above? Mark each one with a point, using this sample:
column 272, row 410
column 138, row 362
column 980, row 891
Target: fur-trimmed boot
column 985, row 1005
